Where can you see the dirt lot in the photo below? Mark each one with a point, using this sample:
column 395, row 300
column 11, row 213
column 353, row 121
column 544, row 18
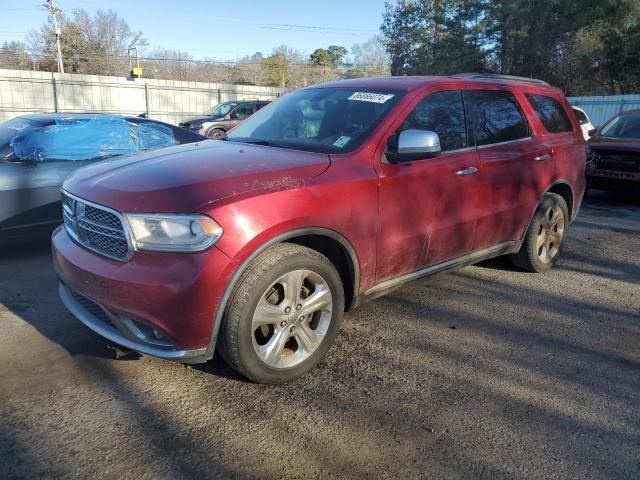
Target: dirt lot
column 487, row 372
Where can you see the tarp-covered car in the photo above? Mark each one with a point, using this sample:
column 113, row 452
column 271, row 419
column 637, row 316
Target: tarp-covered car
column 37, row 152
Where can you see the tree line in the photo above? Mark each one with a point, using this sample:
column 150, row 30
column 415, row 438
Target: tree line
column 586, row 47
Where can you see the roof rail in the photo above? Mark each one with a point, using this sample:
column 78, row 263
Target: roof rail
column 497, row 76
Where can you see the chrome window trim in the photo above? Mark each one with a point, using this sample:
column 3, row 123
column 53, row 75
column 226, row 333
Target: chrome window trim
column 125, row 227
column 509, row 142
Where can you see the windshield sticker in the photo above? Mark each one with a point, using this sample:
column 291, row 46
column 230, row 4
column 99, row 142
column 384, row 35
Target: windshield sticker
column 341, row 142
column 370, row 97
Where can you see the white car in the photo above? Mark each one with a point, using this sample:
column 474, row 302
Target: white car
column 585, row 123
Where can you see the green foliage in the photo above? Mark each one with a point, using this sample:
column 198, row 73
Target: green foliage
column 331, row 57
column 584, row 46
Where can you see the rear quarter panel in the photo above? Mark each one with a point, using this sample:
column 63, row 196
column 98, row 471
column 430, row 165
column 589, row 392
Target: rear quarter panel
column 569, row 153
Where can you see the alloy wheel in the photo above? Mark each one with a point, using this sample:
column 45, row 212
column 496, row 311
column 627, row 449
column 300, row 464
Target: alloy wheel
column 550, row 234
column 291, row 319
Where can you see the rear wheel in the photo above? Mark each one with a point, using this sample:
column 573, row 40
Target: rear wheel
column 217, row 133
column 283, row 316
column 543, row 241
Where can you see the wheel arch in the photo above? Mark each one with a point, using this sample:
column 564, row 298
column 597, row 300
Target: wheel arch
column 328, row 242
column 560, row 187
column 565, row 190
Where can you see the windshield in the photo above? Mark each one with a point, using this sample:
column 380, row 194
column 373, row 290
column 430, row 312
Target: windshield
column 325, row 120
column 222, row 109
column 623, row 126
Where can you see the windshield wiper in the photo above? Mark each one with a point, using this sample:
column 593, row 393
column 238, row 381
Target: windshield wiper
column 265, row 143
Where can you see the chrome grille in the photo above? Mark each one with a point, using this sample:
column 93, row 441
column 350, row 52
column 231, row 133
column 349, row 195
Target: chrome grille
column 95, row 227
column 102, row 216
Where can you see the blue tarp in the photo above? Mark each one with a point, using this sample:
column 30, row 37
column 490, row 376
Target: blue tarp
column 86, row 139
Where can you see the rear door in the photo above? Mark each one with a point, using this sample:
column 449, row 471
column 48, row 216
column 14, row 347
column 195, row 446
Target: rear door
column 513, row 165
column 426, row 209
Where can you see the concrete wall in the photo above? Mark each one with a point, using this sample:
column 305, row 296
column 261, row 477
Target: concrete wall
column 23, row 92
column 600, row 109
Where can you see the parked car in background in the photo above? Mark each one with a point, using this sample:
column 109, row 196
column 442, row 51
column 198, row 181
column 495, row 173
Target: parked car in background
column 38, row 151
column 613, row 158
column 333, row 195
column 223, row 117
column 585, row 124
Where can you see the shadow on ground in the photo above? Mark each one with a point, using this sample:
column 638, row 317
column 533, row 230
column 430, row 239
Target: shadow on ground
column 488, row 372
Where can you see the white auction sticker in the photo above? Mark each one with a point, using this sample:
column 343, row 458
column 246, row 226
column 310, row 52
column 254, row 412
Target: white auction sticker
column 370, row 97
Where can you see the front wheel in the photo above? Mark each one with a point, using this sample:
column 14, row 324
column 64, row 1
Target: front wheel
column 217, row 134
column 544, row 238
column 283, row 316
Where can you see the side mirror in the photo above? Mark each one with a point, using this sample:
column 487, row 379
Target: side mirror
column 592, row 132
column 416, row 145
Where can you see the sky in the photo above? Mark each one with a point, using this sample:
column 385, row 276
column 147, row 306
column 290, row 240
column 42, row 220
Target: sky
column 219, row 30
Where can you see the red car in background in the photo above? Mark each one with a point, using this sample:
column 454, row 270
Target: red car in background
column 613, row 158
column 333, row 195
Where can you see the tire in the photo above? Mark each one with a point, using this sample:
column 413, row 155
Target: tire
column 270, row 333
column 545, row 236
column 216, row 133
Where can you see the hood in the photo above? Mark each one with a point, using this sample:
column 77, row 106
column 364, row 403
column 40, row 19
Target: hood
column 186, row 177
column 615, row 144
column 203, row 119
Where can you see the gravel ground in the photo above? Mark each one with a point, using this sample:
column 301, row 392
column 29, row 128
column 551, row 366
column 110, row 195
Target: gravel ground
column 487, row 372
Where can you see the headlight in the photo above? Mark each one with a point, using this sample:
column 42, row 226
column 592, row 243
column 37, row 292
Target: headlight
column 173, row 233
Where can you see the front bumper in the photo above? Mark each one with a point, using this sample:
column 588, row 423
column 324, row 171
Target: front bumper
column 98, row 319
column 175, row 294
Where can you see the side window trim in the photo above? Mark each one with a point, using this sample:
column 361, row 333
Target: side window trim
column 472, row 106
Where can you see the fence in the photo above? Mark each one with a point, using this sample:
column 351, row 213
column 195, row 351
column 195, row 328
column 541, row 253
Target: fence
column 600, row 109
column 23, row 92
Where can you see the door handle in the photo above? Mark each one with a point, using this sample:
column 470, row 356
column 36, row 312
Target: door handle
column 467, row 171
column 542, row 158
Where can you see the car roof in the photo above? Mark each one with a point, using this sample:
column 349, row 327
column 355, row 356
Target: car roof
column 412, row 82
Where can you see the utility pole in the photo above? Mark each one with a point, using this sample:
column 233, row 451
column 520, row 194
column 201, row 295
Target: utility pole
column 51, row 6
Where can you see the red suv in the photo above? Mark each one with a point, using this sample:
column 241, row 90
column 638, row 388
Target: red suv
column 333, row 195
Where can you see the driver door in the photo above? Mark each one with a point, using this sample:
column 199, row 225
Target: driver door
column 427, row 211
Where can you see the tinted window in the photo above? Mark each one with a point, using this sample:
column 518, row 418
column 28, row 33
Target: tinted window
column 242, row 112
column 443, row 113
column 498, row 117
column 551, row 113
